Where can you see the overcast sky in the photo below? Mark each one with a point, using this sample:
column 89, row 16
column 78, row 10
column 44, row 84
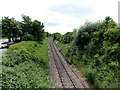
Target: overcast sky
column 60, row 15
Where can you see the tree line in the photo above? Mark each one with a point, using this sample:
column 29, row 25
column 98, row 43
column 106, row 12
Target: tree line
column 22, row 31
column 95, row 46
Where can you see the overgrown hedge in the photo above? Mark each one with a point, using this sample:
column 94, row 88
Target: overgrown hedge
column 96, row 51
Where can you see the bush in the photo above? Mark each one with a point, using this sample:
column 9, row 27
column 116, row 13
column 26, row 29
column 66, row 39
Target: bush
column 85, row 34
column 67, row 38
column 96, row 50
column 25, row 65
column 26, row 75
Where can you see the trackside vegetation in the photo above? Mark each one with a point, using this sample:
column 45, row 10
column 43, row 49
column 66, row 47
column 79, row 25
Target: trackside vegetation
column 95, row 50
column 25, row 65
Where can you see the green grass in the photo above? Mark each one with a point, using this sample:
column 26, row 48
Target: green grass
column 26, row 66
column 63, row 47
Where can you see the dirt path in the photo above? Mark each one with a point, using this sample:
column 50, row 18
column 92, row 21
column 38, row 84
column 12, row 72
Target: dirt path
column 62, row 74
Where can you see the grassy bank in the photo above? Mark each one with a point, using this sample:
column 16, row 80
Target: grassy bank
column 100, row 76
column 25, row 65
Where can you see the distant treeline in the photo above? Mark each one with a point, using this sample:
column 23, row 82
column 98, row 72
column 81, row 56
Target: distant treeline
column 22, row 31
column 95, row 49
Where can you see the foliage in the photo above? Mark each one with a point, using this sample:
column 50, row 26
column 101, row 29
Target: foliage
column 47, row 34
column 67, row 37
column 57, row 36
column 28, row 37
column 25, row 30
column 11, row 28
column 25, row 65
column 26, row 75
column 1, row 29
column 85, row 34
column 96, row 51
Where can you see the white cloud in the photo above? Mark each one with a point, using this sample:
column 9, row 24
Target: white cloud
column 41, row 10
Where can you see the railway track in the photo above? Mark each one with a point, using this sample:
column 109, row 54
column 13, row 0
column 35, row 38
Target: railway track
column 63, row 75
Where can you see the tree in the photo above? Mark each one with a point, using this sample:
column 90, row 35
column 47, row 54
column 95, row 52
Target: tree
column 25, row 30
column 6, row 27
column 11, row 28
column 109, row 23
column 68, row 37
column 26, row 25
column 15, row 29
column 32, row 29
column 1, row 29
column 37, row 30
column 47, row 34
column 57, row 36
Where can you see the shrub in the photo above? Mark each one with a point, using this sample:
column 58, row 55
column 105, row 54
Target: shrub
column 25, row 65
column 96, row 50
